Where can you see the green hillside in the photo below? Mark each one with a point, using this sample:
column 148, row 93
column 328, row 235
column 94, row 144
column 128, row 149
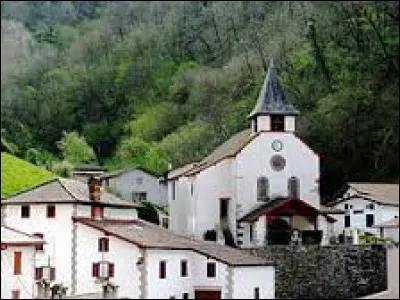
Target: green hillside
column 18, row 175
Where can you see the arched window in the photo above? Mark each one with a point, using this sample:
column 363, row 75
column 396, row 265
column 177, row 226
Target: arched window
column 294, row 187
column 262, row 189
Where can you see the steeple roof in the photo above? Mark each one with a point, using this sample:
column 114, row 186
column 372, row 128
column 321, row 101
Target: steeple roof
column 272, row 99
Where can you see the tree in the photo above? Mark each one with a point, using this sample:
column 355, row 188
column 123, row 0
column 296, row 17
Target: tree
column 75, row 149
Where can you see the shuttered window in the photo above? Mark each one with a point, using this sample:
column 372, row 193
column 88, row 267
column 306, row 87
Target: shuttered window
column 95, row 270
column 103, row 244
column 38, row 273
column 111, row 270
column 52, row 274
column 17, row 263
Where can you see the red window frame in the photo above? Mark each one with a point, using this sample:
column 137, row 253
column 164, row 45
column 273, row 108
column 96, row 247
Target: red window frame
column 15, row 294
column 51, row 211
column 103, row 244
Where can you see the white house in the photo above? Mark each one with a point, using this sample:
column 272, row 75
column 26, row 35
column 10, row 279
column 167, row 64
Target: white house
column 365, row 205
column 137, row 184
column 18, row 251
column 246, row 174
column 47, row 211
column 96, row 242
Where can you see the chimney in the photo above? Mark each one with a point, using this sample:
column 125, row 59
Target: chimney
column 94, row 185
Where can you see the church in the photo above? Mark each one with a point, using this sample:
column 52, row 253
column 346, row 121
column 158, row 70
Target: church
column 258, row 177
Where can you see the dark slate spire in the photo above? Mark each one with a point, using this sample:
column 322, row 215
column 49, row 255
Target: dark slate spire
column 272, row 99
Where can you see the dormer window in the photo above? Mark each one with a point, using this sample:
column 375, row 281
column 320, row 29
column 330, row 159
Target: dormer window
column 277, row 123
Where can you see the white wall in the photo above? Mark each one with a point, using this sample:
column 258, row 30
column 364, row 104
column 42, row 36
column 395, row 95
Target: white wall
column 212, row 184
column 24, row 282
column 290, row 123
column 57, row 235
column 127, row 182
column 254, row 161
column 123, row 254
column 246, row 279
column 382, row 213
column 180, row 207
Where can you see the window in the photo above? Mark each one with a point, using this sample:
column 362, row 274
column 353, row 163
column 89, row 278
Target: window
column 191, row 189
column 97, row 211
column 223, row 208
column 165, row 222
column 103, row 244
column 103, row 269
column 251, row 232
column 184, row 271
column 51, row 211
column 95, row 270
column 25, row 211
column 257, row 293
column 262, row 189
column 277, row 123
column 255, row 125
column 185, row 296
column 173, row 189
column 139, row 196
column 370, row 220
column 38, row 273
column 360, row 211
column 294, row 187
column 346, row 221
column 210, row 269
column 17, row 263
column 52, row 274
column 370, row 206
column 346, row 206
column 163, row 269
column 15, row 294
column 39, row 235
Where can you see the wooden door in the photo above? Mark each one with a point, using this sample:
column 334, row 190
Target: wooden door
column 202, row 294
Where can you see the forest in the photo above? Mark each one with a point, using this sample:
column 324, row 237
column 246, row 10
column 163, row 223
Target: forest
column 154, row 83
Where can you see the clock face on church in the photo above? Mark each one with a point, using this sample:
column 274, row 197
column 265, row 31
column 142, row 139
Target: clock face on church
column 277, row 145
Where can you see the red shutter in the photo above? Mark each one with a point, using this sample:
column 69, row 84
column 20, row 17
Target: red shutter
column 15, row 294
column 52, row 273
column 100, row 245
column 38, row 273
column 17, row 263
column 110, row 270
column 95, row 270
column 105, row 244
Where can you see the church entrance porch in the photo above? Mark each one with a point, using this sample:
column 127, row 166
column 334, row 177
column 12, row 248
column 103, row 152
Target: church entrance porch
column 283, row 216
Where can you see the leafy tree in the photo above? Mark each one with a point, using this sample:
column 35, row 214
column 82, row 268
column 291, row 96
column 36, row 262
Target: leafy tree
column 75, row 149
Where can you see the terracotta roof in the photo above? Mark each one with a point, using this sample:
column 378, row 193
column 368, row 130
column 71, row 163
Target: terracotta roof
column 63, row 190
column 147, row 235
column 228, row 149
column 13, row 236
column 393, row 223
column 272, row 98
column 282, row 204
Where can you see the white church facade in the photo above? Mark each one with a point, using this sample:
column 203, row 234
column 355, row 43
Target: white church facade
column 237, row 187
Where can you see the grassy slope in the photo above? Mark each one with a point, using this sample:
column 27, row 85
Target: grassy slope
column 18, row 175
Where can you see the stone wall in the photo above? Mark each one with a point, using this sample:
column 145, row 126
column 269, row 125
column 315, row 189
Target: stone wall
column 339, row 271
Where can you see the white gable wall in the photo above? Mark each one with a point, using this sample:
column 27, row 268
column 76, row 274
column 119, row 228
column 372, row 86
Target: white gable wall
column 179, row 207
column 24, row 282
column 382, row 213
column 254, row 161
column 57, row 235
column 246, row 279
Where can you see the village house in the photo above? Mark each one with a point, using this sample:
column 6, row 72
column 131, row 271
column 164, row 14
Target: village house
column 257, row 179
column 18, row 251
column 137, row 184
column 95, row 242
column 367, row 207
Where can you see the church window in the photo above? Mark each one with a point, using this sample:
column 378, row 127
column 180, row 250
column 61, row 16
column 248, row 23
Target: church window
column 294, row 187
column 277, row 123
column 347, row 221
column 262, row 189
column 370, row 220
